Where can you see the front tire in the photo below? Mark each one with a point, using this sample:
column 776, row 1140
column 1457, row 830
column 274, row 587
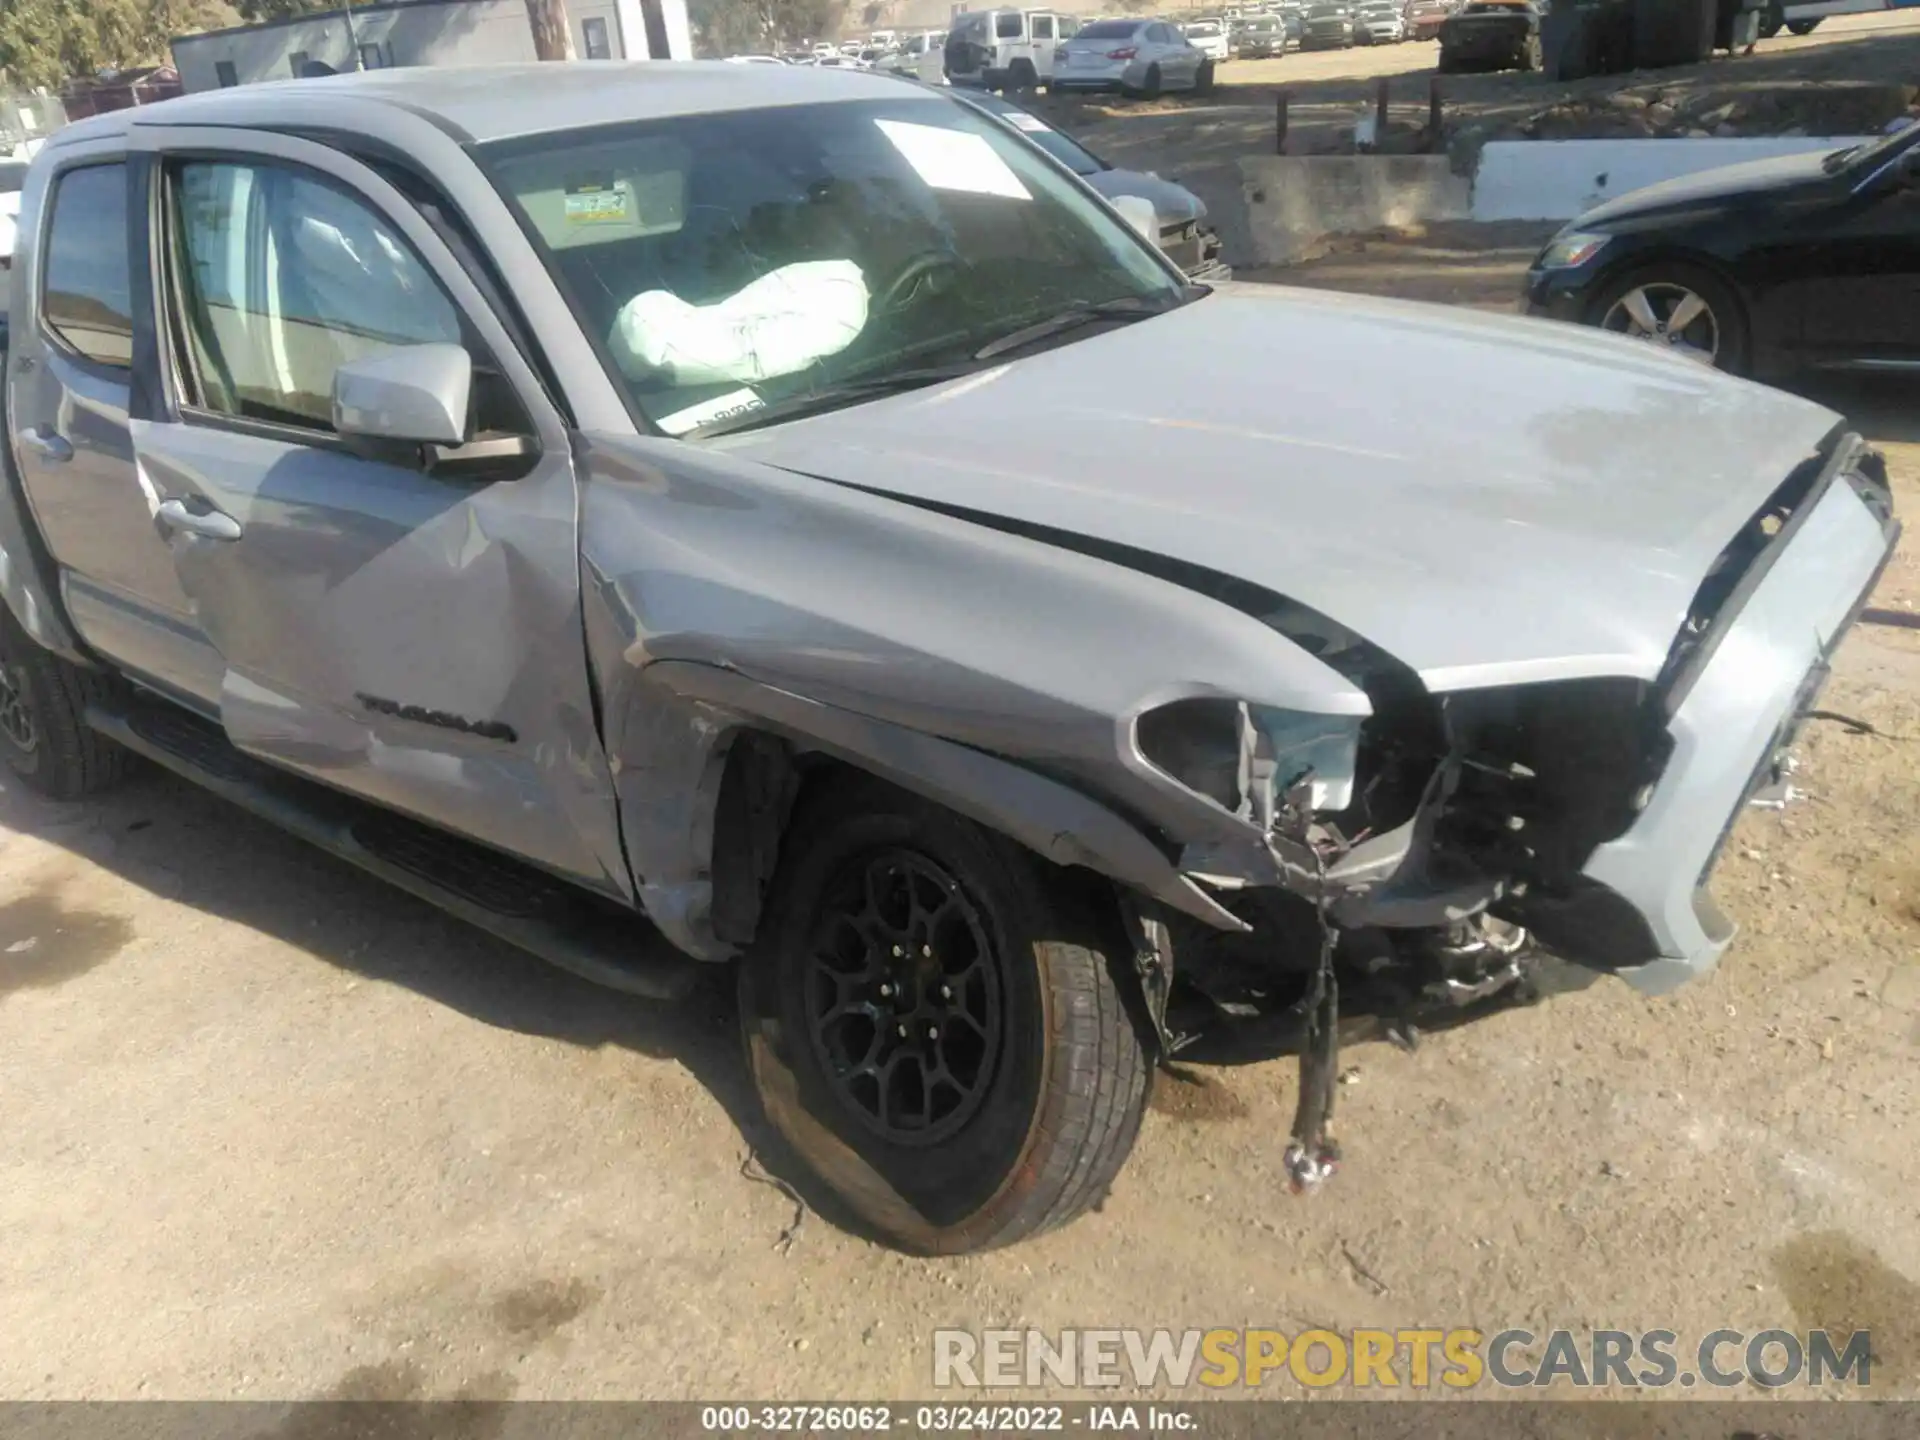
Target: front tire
column 1150, row 85
column 1681, row 307
column 44, row 736
column 933, row 1025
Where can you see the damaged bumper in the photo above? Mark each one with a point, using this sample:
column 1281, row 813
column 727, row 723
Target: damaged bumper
column 1735, row 715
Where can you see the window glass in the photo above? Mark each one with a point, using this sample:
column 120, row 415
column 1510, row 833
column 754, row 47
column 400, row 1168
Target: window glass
column 297, row 63
column 372, row 57
column 1069, row 27
column 845, row 240
column 282, row 279
column 1043, row 27
column 223, row 71
column 1009, row 24
column 1110, row 30
column 89, row 279
column 598, row 45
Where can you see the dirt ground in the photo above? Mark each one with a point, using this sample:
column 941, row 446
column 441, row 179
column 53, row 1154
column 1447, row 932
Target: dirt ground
column 271, row 1130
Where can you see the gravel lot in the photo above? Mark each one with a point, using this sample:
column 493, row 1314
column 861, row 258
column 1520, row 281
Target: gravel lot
column 272, row 1130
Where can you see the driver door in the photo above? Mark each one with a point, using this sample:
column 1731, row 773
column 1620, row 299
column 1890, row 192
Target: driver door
column 389, row 627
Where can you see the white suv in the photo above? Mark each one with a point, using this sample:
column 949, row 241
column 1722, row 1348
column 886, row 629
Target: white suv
column 1005, row 49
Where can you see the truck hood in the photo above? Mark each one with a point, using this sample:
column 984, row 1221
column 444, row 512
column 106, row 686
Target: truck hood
column 1725, row 182
column 1490, row 499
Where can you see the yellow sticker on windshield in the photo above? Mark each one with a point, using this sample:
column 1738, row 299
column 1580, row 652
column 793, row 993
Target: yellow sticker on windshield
column 599, row 204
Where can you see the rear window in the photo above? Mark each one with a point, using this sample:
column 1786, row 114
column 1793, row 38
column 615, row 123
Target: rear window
column 1008, row 24
column 1203, row 31
column 1109, row 30
column 87, row 298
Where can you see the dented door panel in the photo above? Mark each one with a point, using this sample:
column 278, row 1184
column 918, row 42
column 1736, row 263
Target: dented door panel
column 413, row 640
column 410, row 638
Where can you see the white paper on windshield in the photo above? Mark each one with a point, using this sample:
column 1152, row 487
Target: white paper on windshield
column 721, row 407
column 1029, row 124
column 953, row 159
column 782, row 322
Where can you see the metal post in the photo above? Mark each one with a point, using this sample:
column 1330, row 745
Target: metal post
column 1280, row 123
column 1435, row 109
column 353, row 40
column 1380, row 112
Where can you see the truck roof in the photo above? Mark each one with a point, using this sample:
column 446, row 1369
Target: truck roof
column 495, row 102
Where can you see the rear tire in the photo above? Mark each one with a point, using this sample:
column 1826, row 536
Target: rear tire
column 44, row 736
column 1802, row 27
column 1022, row 77
column 1150, row 86
column 890, row 914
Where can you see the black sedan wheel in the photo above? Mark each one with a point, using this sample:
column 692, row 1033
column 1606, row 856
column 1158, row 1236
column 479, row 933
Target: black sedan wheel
column 932, row 1024
column 1681, row 308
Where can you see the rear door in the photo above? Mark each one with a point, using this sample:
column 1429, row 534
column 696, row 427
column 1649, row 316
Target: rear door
column 72, row 388
column 1044, row 39
column 384, row 625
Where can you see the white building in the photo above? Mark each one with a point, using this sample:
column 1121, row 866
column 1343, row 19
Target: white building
column 426, row 32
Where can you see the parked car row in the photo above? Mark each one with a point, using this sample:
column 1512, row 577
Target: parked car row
column 1023, row 49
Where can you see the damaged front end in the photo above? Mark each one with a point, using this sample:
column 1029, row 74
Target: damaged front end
column 1452, row 853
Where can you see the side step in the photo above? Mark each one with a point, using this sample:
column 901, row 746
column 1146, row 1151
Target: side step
column 593, row 938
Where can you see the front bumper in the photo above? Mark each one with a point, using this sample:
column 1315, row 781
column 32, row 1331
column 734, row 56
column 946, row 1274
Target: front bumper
column 1742, row 709
column 1559, row 294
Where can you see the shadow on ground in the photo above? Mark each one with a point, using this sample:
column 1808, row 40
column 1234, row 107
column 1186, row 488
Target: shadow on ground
column 167, row 837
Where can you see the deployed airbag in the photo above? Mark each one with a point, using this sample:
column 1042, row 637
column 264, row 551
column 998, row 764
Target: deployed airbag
column 781, row 323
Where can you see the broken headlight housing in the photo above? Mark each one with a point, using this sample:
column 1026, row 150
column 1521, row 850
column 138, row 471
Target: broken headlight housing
column 1248, row 757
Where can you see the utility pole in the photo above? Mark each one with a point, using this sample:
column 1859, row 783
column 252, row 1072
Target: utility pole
column 552, row 32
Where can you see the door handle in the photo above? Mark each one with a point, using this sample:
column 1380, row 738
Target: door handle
column 49, row 445
column 210, row 523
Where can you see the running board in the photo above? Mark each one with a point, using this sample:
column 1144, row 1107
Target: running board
column 596, row 939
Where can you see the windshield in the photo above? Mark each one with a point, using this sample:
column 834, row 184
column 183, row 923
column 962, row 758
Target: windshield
column 731, row 261
column 1873, row 153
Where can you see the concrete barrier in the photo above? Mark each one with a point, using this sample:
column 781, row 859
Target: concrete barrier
column 1295, row 202
column 1558, row 179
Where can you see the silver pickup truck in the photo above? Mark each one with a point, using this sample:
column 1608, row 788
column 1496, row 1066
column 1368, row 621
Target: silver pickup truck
column 706, row 514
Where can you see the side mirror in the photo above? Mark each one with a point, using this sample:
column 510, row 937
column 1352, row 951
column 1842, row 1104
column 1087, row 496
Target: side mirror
column 413, row 394
column 1138, row 212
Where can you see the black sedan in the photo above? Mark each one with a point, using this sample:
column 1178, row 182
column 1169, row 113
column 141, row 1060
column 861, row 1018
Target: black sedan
column 1796, row 262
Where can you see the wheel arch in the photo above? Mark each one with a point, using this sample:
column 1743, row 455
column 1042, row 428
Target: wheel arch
column 731, row 757
column 1665, row 253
